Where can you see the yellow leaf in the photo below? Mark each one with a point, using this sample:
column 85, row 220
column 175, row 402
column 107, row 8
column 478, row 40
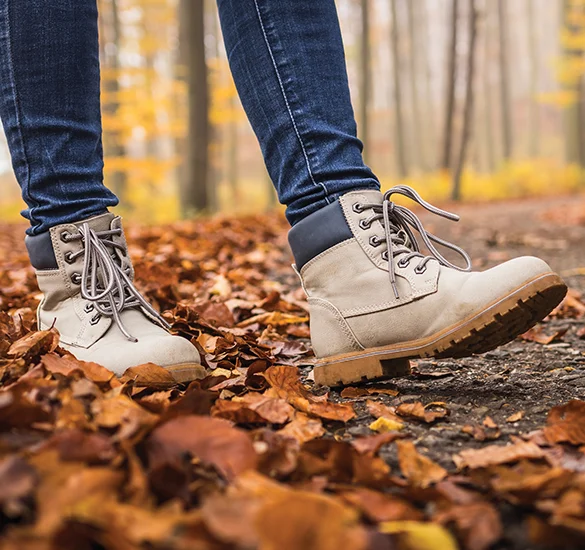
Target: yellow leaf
column 415, row 535
column 383, row 424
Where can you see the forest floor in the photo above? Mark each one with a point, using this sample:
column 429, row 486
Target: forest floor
column 485, row 452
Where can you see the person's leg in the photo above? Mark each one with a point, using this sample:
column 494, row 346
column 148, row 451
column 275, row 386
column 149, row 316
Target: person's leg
column 288, row 64
column 374, row 299
column 50, row 108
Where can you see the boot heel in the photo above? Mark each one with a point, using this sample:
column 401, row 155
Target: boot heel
column 360, row 369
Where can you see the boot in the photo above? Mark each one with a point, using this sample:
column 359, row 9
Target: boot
column 375, row 300
column 86, row 276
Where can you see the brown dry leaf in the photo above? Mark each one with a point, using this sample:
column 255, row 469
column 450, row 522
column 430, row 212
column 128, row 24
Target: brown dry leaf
column 309, row 521
column 150, row 375
column 536, row 334
column 68, row 365
column 566, row 423
column 78, row 446
column 303, row 428
column 35, row 344
column 18, row 480
column 275, row 319
column 527, row 481
column 419, row 412
column 497, row 454
column 350, row 392
column 378, row 507
column 285, row 383
column 212, row 440
column 119, row 411
column 515, row 417
column 253, row 409
column 478, row 524
column 418, row 469
column 480, row 433
column 489, row 423
column 341, row 412
column 373, row 443
column 379, row 410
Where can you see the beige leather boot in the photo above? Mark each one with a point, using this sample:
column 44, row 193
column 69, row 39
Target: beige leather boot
column 86, row 276
column 376, row 301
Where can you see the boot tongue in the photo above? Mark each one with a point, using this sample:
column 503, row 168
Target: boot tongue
column 103, row 222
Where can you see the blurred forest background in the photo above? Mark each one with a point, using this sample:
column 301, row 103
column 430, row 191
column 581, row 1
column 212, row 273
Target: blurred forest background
column 463, row 99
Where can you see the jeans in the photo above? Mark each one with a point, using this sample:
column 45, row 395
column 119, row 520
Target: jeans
column 50, row 108
column 288, row 64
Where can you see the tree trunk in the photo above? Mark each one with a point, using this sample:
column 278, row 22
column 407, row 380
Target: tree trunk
column 451, row 79
column 113, row 147
column 504, row 81
column 430, row 136
column 399, row 124
column 574, row 112
column 193, row 187
column 419, row 144
column 468, row 108
column 487, row 93
column 365, row 74
column 534, row 122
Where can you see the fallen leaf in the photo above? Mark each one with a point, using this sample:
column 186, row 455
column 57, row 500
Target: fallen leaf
column 497, row 454
column 418, row 469
column 414, row 535
column 565, row 423
column 419, row 412
column 212, row 440
column 373, row 443
column 536, row 334
column 150, row 375
column 35, row 344
column 384, row 424
column 478, row 524
column 303, row 428
column 517, row 416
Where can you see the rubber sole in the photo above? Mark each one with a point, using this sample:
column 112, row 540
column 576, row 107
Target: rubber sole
column 187, row 372
column 499, row 323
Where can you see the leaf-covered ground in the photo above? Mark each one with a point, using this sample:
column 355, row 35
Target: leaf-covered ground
column 477, row 453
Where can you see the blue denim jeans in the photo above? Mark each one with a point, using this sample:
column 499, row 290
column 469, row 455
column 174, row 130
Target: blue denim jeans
column 288, row 63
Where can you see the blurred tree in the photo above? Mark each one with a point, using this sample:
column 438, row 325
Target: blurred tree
column 488, row 108
column 504, row 81
column 468, row 108
column 194, row 191
column 413, row 11
column 572, row 80
column 534, row 116
column 451, row 80
column 365, row 74
column 398, row 114
column 111, row 34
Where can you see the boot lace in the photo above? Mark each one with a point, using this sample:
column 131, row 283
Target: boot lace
column 104, row 283
column 399, row 225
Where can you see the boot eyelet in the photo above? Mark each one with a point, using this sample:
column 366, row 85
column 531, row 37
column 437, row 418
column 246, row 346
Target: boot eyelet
column 365, row 224
column 76, row 278
column 403, row 263
column 385, row 255
column 95, row 319
column 420, row 270
column 68, row 257
column 65, row 236
column 374, row 241
column 89, row 308
column 357, row 207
